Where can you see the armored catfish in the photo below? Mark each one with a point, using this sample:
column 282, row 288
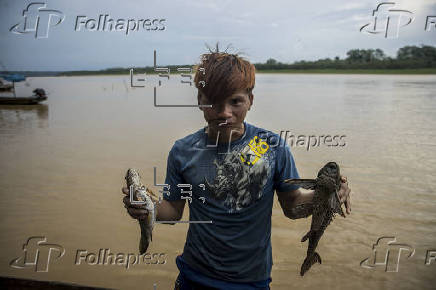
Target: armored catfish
column 326, row 204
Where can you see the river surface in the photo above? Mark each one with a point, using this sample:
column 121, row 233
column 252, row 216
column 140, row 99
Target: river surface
column 62, row 164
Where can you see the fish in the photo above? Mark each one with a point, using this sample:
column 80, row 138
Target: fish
column 326, row 204
column 143, row 195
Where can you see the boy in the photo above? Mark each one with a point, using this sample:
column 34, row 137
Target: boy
column 234, row 170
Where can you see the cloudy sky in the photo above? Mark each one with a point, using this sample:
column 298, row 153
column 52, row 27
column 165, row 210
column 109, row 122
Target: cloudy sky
column 284, row 30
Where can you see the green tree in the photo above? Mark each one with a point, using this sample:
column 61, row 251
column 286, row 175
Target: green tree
column 379, row 54
column 271, row 61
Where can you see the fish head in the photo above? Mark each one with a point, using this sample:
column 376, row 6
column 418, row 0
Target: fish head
column 331, row 169
column 330, row 172
column 132, row 177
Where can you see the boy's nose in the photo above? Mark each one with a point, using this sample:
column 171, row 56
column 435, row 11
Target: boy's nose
column 224, row 111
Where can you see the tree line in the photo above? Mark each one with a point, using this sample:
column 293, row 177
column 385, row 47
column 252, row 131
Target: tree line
column 408, row 57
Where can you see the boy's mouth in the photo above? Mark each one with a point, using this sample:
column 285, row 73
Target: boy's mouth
column 225, row 123
column 219, row 123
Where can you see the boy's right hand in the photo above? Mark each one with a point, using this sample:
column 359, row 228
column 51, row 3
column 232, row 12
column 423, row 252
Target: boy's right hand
column 136, row 211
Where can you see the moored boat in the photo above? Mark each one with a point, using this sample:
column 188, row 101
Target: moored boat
column 37, row 97
column 5, row 87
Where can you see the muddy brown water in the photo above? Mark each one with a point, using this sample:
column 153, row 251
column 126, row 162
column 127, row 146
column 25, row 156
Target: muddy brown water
column 63, row 162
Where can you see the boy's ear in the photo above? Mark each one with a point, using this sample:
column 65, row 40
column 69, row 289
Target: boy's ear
column 250, row 97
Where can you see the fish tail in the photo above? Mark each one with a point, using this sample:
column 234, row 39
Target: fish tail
column 309, row 261
column 145, row 239
column 306, row 236
column 143, row 245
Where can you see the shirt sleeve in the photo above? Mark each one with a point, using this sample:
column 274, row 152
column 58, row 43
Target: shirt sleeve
column 285, row 169
column 174, row 175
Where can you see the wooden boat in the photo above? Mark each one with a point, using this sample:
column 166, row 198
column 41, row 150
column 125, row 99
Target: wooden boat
column 38, row 96
column 24, row 284
column 6, row 87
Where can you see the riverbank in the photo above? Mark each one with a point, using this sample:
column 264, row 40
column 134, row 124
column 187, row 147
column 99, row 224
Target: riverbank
column 423, row 71
column 418, row 71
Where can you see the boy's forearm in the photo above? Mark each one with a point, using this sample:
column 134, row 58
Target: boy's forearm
column 169, row 211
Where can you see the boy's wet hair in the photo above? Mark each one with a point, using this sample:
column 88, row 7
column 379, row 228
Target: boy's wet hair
column 221, row 74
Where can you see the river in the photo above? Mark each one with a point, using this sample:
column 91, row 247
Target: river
column 63, row 164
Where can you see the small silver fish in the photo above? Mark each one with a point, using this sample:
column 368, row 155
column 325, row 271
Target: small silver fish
column 326, row 204
column 148, row 198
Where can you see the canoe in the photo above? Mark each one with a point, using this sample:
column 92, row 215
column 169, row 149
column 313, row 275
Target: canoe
column 22, row 100
column 6, row 87
column 39, row 96
column 24, row 284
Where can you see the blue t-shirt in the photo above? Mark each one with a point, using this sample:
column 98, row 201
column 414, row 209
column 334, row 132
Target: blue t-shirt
column 232, row 185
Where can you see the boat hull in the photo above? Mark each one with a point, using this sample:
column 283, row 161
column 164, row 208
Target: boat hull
column 22, row 100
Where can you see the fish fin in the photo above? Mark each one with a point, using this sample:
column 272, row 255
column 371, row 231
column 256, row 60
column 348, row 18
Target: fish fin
column 306, row 236
column 304, row 183
column 309, row 261
column 336, row 205
column 127, row 173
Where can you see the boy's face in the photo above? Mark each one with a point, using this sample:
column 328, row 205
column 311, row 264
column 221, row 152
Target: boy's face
column 227, row 114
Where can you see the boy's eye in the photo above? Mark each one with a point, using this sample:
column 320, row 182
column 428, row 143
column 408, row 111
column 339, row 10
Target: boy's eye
column 235, row 101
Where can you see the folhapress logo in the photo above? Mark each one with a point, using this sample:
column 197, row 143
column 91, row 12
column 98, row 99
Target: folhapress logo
column 106, row 23
column 388, row 21
column 37, row 19
column 386, row 252
column 37, row 254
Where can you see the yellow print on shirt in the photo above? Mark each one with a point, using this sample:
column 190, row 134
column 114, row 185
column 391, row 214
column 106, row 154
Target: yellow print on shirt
column 254, row 151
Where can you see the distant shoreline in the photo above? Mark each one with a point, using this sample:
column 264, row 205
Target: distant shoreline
column 413, row 60
column 417, row 71
column 353, row 71
column 421, row 71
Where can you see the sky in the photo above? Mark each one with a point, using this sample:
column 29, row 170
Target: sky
column 285, row 30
